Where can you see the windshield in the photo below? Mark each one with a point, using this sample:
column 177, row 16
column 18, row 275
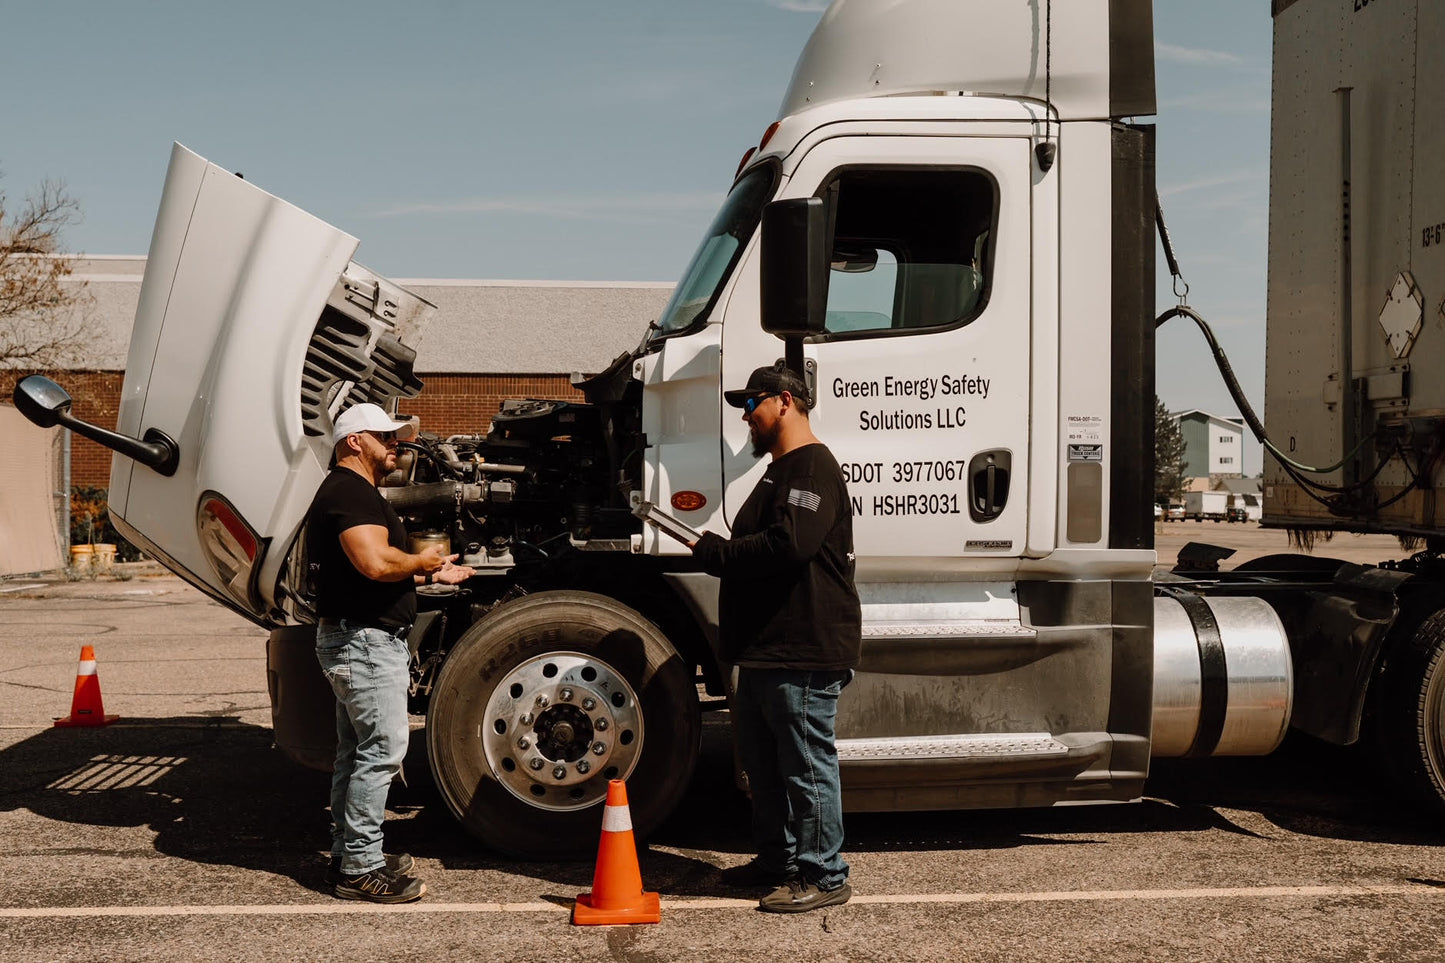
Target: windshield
column 719, row 252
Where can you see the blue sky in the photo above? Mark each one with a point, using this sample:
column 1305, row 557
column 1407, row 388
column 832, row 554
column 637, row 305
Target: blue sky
column 557, row 139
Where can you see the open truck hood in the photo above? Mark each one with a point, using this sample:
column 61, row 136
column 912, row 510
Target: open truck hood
column 254, row 328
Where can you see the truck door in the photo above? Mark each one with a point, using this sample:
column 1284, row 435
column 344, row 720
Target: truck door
column 922, row 381
column 254, row 328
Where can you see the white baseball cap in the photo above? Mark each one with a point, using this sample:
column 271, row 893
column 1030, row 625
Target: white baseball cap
column 369, row 417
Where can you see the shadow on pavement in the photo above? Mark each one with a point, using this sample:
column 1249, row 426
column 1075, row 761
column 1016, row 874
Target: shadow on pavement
column 215, row 791
column 1306, row 787
column 211, row 789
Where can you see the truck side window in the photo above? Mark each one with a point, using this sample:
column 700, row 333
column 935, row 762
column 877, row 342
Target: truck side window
column 911, row 249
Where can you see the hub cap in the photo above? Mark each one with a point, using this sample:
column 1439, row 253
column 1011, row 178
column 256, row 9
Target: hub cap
column 558, row 727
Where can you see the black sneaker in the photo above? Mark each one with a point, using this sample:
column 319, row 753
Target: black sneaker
column 799, row 896
column 380, row 886
column 753, row 874
column 398, row 863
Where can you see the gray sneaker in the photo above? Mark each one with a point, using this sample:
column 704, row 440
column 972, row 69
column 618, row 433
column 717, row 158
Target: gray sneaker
column 380, row 886
column 395, row 863
column 800, row 896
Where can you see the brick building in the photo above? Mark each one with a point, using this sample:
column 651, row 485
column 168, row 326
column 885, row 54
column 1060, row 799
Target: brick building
column 489, row 340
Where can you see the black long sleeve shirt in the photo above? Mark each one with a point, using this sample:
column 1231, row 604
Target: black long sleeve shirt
column 787, row 598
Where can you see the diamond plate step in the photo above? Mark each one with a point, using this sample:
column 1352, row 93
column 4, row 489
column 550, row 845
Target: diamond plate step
column 953, row 628
column 1037, row 745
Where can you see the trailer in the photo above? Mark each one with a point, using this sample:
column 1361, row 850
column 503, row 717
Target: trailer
column 1213, row 506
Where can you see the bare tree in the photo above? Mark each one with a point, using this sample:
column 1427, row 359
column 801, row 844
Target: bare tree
column 42, row 323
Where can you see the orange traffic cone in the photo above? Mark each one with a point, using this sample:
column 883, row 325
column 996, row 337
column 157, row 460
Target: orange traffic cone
column 617, row 895
column 85, row 705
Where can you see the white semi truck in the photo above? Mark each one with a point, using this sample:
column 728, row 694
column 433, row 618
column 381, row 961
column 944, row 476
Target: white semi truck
column 951, row 229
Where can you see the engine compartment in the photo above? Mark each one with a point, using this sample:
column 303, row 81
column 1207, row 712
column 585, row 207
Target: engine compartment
column 548, row 476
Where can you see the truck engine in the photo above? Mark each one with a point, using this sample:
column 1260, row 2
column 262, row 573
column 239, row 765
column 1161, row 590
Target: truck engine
column 548, row 477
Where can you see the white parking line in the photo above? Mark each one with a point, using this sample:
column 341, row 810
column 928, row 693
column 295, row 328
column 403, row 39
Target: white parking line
column 1061, row 896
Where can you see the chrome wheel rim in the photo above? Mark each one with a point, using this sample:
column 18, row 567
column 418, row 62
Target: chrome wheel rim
column 559, row 727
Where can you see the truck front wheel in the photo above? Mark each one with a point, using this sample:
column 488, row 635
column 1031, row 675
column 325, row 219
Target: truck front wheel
column 545, row 700
column 1410, row 713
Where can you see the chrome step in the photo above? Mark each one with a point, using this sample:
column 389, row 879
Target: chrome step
column 988, row 745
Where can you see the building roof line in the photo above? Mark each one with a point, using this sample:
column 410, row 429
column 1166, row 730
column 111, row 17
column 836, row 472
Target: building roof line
column 1237, row 421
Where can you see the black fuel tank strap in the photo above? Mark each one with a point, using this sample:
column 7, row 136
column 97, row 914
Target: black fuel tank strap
column 1213, row 674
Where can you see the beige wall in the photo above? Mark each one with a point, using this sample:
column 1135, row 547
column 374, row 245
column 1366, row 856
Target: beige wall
column 28, row 503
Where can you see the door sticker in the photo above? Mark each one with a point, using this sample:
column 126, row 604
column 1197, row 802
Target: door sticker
column 1084, row 435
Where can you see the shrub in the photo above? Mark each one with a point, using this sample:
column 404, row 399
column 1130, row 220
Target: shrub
column 90, row 522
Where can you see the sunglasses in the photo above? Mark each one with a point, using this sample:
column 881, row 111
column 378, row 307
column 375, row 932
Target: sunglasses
column 751, row 404
column 385, row 437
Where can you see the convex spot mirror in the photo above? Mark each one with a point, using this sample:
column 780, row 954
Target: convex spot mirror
column 854, row 260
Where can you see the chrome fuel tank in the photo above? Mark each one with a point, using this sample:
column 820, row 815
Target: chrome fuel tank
column 1223, row 683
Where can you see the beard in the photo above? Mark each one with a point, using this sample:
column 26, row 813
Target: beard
column 763, row 441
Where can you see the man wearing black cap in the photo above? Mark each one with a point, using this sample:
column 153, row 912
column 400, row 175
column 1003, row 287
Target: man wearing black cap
column 791, row 622
column 366, row 602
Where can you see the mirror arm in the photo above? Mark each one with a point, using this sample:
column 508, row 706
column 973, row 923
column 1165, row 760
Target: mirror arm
column 45, row 403
column 157, row 450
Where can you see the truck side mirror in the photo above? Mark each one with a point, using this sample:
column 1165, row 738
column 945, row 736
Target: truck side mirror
column 793, row 273
column 46, row 404
column 41, row 400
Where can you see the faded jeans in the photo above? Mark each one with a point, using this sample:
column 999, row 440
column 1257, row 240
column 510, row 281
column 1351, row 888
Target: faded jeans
column 368, row 671
column 784, row 722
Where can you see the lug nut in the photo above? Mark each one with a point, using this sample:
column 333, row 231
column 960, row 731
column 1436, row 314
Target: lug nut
column 527, row 719
column 524, row 743
column 583, row 766
column 559, row 772
column 565, row 695
column 589, row 704
column 598, row 748
column 536, row 762
column 541, row 702
column 600, row 725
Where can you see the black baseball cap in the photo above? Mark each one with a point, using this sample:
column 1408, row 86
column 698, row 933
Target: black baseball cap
column 769, row 380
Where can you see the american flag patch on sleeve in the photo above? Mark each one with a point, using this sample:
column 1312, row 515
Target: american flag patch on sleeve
column 808, row 500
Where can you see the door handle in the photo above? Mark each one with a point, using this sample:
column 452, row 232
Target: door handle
column 988, row 483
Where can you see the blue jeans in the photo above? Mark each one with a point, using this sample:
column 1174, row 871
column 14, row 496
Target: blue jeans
column 784, row 720
column 368, row 671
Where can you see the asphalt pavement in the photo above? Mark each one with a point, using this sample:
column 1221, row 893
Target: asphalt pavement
column 180, row 833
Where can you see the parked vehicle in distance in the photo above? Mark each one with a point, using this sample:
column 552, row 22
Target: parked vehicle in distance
column 1175, row 513
column 1158, row 511
column 1236, row 515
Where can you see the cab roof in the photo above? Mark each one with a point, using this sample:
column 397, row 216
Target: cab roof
column 1099, row 65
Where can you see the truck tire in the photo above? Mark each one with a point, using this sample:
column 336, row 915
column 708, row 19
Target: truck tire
column 542, row 702
column 1409, row 718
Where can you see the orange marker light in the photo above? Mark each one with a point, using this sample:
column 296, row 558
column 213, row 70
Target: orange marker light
column 744, row 162
column 768, row 134
column 688, row 501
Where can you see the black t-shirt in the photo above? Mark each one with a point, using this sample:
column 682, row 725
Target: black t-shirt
column 787, row 596
column 343, row 501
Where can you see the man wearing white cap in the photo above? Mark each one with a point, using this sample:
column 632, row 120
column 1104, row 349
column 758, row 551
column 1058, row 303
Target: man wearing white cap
column 366, row 602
